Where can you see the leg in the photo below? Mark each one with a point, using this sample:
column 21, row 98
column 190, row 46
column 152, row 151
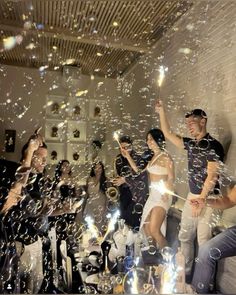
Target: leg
column 204, row 228
column 157, row 217
column 221, row 246
column 187, row 236
column 32, row 266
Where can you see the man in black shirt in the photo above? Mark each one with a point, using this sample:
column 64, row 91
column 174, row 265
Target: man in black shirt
column 204, row 156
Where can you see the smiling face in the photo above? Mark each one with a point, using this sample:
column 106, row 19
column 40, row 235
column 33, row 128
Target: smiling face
column 39, row 160
column 196, row 125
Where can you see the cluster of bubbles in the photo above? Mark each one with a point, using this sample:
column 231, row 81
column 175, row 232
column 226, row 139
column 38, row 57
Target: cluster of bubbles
column 115, row 114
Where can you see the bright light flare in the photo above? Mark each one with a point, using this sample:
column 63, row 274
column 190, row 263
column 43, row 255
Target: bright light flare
column 161, row 77
column 111, row 224
column 161, row 187
column 116, row 137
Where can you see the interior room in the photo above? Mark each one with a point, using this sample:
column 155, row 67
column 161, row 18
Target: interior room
column 115, row 117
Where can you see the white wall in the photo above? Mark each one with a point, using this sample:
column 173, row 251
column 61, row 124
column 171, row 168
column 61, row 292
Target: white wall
column 23, row 87
column 204, row 78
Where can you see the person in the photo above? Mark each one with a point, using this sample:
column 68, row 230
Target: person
column 221, row 246
column 124, row 182
column 25, row 210
column 96, row 205
column 204, row 156
column 66, row 191
column 22, row 228
column 160, row 168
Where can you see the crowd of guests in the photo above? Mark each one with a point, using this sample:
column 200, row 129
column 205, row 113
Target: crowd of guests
column 31, row 204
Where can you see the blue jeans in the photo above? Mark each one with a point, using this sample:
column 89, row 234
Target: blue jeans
column 221, row 246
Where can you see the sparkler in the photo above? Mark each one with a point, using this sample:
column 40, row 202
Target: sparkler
column 161, row 187
column 112, row 222
column 91, row 227
column 161, row 77
column 116, row 137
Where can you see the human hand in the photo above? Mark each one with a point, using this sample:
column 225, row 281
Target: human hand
column 118, row 181
column 159, row 106
column 124, row 152
column 198, row 203
column 196, row 211
column 35, row 141
column 11, row 201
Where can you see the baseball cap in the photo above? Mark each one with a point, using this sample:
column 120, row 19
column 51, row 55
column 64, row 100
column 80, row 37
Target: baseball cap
column 197, row 113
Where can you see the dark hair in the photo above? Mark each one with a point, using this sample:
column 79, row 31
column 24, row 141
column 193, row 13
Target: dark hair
column 97, row 143
column 103, row 179
column 126, row 139
column 25, row 146
column 158, row 136
column 196, row 113
column 58, row 171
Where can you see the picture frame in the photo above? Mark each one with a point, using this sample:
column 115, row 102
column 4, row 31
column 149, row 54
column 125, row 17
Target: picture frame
column 76, row 108
column 56, row 152
column 55, row 130
column 76, row 153
column 56, row 107
column 97, row 109
column 76, row 131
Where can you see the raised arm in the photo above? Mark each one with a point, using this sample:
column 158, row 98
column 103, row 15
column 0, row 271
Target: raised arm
column 171, row 173
column 22, row 174
column 165, row 127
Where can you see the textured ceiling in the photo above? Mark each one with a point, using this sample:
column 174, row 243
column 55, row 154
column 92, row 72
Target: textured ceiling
column 103, row 37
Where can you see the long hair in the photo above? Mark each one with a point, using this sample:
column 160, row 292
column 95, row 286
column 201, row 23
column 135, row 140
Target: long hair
column 103, row 179
column 159, row 137
column 58, row 171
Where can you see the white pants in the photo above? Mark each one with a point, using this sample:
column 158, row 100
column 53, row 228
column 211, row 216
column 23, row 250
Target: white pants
column 31, row 265
column 191, row 227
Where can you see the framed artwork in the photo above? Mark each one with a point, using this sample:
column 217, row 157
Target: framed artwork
column 97, row 109
column 76, row 108
column 56, row 152
column 76, row 131
column 55, row 130
column 76, row 153
column 10, row 140
column 55, row 106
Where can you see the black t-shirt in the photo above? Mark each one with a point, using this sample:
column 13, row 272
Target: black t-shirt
column 23, row 222
column 128, row 197
column 208, row 149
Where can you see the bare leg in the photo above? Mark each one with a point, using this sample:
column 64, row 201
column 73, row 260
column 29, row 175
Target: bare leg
column 153, row 228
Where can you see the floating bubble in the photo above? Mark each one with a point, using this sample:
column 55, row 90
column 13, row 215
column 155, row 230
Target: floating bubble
column 200, row 285
column 138, row 208
column 138, row 281
column 215, row 253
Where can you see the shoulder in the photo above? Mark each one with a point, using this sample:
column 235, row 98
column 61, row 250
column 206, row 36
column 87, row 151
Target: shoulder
column 167, row 159
column 215, row 144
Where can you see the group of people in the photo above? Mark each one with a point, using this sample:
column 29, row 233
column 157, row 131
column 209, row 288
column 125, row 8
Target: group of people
column 205, row 155
column 27, row 201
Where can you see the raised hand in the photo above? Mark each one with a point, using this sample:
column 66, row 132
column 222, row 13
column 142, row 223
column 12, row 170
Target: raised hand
column 158, row 106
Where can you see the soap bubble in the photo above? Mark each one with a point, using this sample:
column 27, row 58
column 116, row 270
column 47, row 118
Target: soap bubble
column 138, row 281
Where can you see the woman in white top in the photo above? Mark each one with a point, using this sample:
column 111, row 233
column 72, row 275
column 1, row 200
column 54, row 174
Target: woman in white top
column 160, row 168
